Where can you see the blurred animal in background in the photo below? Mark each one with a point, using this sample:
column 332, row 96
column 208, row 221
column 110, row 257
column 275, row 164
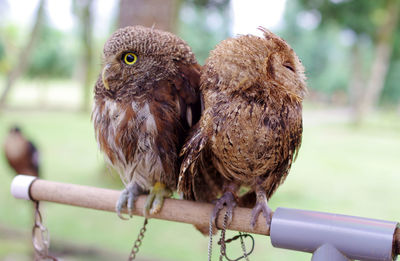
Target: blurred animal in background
column 251, row 127
column 146, row 99
column 21, row 154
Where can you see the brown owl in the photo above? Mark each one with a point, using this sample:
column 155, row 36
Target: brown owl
column 251, row 128
column 21, row 154
column 146, row 99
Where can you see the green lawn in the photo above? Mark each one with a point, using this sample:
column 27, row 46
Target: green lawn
column 340, row 169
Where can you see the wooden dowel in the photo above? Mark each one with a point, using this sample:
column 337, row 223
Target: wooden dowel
column 196, row 213
column 190, row 212
column 396, row 242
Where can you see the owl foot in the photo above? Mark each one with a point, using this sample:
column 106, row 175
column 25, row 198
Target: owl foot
column 228, row 200
column 155, row 199
column 127, row 198
column 261, row 206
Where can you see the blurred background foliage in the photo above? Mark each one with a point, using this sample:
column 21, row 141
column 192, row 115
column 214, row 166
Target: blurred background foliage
column 348, row 47
column 54, row 56
column 351, row 53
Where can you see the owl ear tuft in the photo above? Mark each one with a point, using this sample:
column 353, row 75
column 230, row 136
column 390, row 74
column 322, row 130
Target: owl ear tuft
column 267, row 33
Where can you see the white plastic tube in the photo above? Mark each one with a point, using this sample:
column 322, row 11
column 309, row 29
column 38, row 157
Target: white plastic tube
column 20, row 186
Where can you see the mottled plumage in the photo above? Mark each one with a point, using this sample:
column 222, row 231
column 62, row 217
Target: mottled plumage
column 143, row 109
column 251, row 128
column 21, row 154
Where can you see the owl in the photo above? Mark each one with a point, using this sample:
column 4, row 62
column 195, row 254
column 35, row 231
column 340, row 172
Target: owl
column 145, row 100
column 251, row 128
column 21, row 154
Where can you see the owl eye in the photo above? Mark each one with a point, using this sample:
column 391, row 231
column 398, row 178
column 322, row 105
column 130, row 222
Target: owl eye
column 288, row 66
column 129, row 58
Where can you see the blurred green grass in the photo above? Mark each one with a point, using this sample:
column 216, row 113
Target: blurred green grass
column 340, row 169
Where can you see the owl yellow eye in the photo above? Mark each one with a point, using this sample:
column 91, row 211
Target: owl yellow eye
column 129, row 58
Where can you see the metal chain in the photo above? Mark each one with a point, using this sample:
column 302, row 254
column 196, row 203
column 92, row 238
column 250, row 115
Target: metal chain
column 210, row 235
column 245, row 255
column 223, row 242
column 138, row 242
column 222, row 239
column 40, row 237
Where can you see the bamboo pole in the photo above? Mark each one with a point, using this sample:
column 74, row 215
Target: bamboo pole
column 196, row 213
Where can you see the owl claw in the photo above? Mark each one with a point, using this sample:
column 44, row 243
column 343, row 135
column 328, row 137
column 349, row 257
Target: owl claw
column 128, row 197
column 155, row 199
column 261, row 206
column 131, row 204
column 228, row 200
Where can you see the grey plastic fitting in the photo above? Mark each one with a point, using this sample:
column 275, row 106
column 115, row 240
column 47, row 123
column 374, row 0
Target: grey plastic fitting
column 327, row 252
column 332, row 236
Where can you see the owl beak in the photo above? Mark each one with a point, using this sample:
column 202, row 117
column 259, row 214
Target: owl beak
column 104, row 76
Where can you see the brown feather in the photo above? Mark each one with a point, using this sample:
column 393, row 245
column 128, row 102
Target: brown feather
column 251, row 128
column 140, row 120
column 21, row 154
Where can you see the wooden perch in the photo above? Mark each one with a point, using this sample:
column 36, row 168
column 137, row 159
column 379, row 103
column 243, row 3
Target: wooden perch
column 323, row 234
column 185, row 211
column 396, row 242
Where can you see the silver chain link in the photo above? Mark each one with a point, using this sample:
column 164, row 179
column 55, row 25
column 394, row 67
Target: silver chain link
column 245, row 255
column 223, row 242
column 210, row 235
column 223, row 231
column 40, row 237
column 138, row 242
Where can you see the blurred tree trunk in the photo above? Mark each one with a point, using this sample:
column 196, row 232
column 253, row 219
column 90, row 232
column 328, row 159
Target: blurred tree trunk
column 380, row 65
column 162, row 14
column 83, row 10
column 357, row 80
column 24, row 56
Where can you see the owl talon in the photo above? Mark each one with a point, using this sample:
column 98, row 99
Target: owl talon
column 155, row 199
column 228, row 200
column 128, row 197
column 130, row 205
column 261, row 206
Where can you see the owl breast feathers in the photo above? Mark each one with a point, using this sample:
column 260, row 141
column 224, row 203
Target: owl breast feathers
column 146, row 98
column 251, row 128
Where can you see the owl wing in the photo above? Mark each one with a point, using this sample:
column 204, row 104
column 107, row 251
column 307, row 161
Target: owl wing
column 297, row 131
column 34, row 158
column 176, row 106
column 291, row 140
column 187, row 86
column 191, row 152
column 198, row 179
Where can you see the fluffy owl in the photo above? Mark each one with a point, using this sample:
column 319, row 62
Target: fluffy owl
column 145, row 100
column 21, row 154
column 251, row 128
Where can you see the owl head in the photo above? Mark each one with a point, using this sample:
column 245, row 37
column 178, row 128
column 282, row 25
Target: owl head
column 283, row 65
column 248, row 63
column 135, row 57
